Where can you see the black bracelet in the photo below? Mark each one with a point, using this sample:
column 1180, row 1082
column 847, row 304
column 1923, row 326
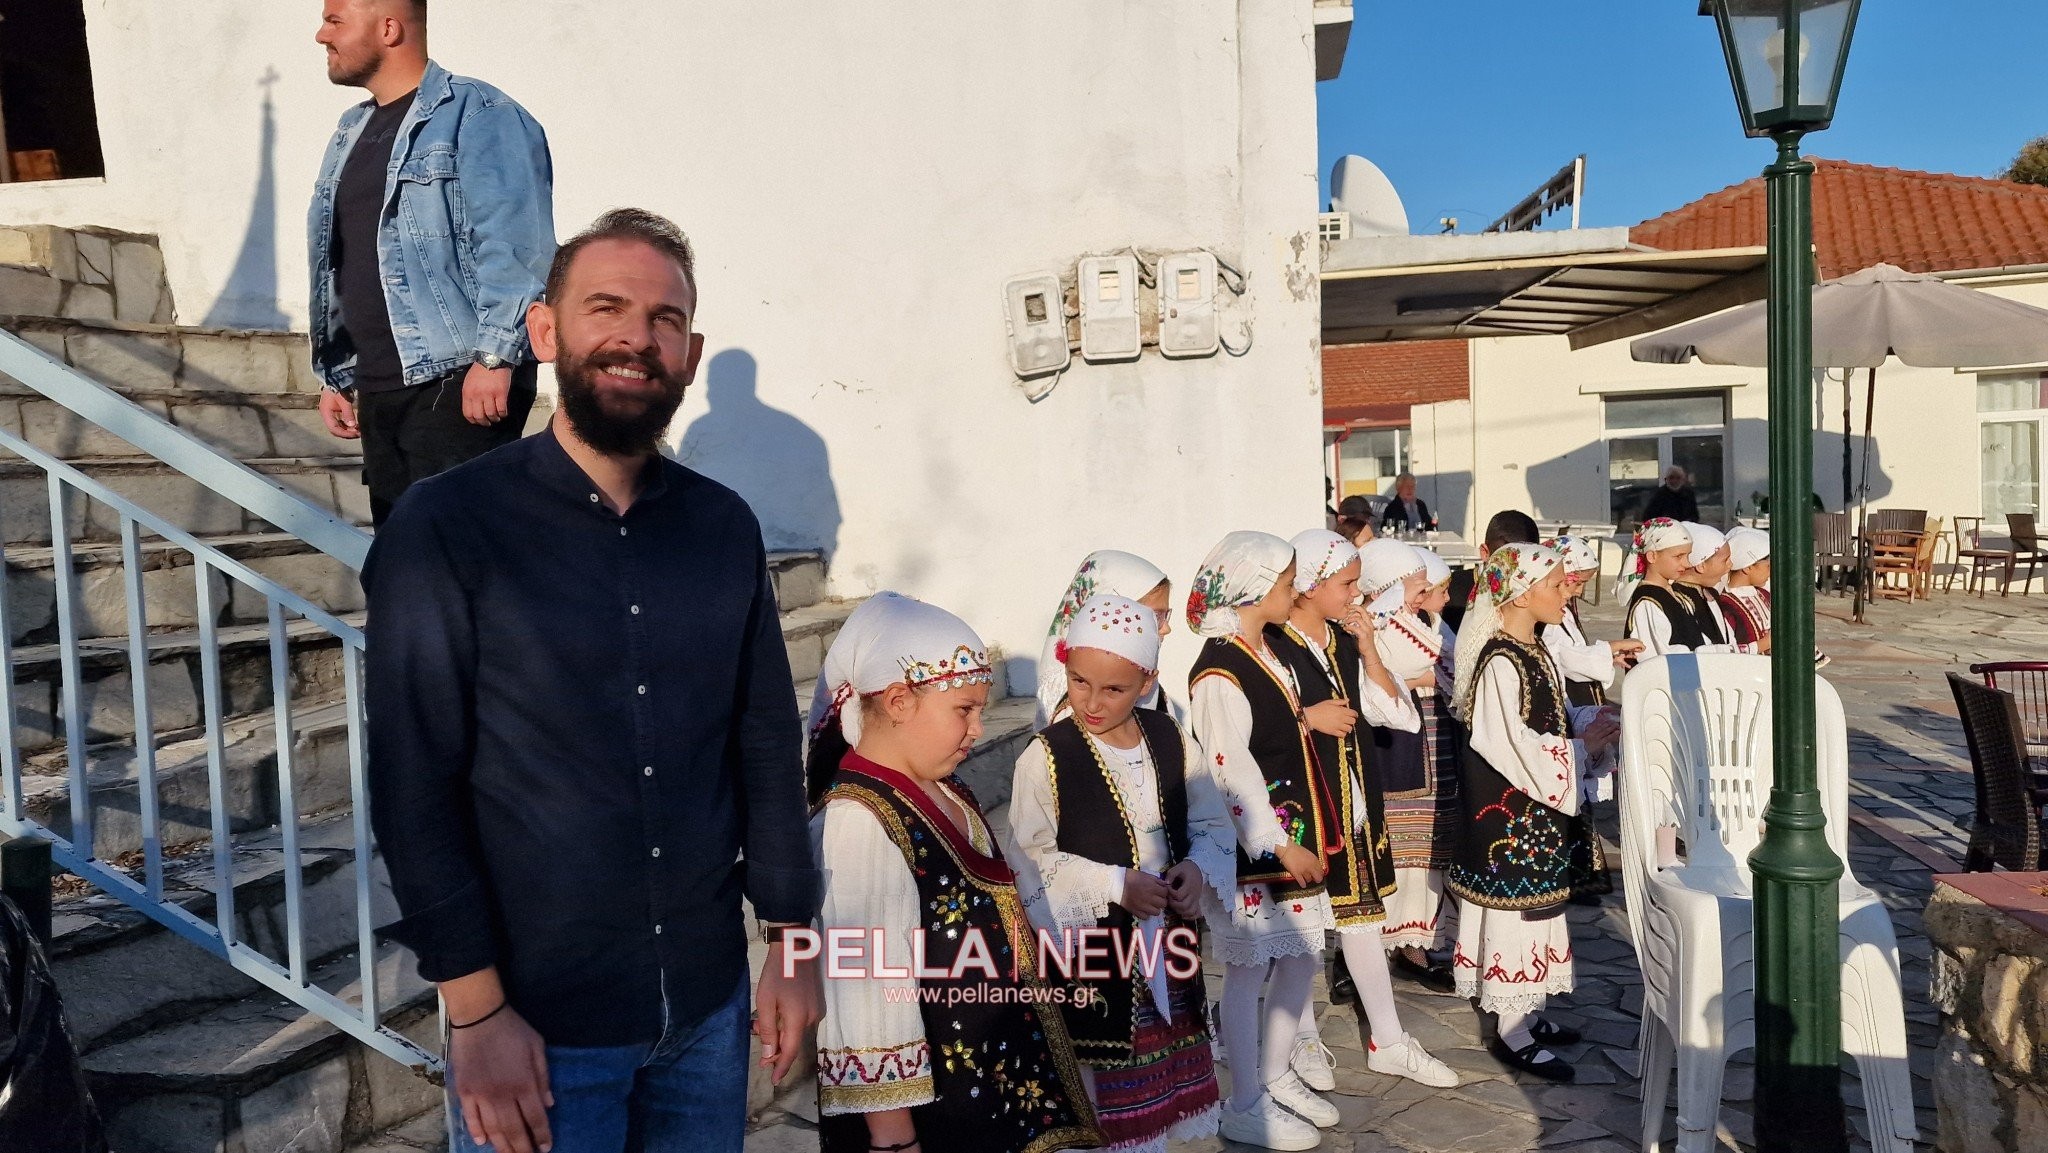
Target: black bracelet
column 482, row 1019
column 893, row 1148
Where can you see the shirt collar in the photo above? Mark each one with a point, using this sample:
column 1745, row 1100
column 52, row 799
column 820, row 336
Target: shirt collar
column 553, row 466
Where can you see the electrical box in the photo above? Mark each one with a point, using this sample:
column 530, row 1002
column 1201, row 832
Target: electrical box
column 1109, row 308
column 1187, row 305
column 1037, row 313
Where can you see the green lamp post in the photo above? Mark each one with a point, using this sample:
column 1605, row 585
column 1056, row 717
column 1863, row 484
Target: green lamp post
column 1786, row 58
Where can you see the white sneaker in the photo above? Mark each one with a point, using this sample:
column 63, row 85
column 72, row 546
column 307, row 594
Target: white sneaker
column 1314, row 1064
column 1406, row 1058
column 1268, row 1126
column 1290, row 1092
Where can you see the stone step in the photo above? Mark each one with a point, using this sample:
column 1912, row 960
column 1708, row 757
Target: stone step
column 799, row 579
column 168, row 358
column 263, row 1074
column 426, row 1133
column 88, row 273
column 332, row 482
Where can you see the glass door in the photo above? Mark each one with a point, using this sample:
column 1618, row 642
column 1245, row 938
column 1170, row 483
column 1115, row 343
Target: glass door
column 2011, row 453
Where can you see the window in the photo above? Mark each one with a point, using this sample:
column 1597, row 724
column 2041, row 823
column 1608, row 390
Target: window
column 2014, row 405
column 1369, row 459
column 48, row 127
column 1646, row 435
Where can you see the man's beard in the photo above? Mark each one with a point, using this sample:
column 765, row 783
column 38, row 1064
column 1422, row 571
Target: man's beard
column 344, row 73
column 633, row 433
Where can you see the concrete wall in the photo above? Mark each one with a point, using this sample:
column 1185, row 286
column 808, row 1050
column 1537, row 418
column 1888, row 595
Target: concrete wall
column 859, row 180
column 1541, row 445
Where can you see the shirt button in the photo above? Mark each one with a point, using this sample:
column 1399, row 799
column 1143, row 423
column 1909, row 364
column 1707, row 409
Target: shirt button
column 593, row 498
column 648, row 771
column 657, row 851
column 657, row 929
column 636, row 610
column 642, row 690
column 622, row 530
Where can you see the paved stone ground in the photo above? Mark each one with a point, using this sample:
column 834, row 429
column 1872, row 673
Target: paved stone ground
column 1910, row 784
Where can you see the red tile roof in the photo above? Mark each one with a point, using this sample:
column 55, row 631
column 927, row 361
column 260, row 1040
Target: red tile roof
column 1377, row 382
column 1865, row 215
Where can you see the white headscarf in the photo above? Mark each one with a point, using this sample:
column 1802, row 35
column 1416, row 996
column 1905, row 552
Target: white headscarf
column 1654, row 535
column 1509, row 571
column 1706, row 541
column 1382, row 565
column 892, row 639
column 1746, row 546
column 1239, row 571
column 1578, row 555
column 1434, row 570
column 1117, row 625
column 1319, row 554
column 1104, row 571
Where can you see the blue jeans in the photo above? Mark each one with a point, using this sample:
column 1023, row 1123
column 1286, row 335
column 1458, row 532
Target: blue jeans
column 686, row 1093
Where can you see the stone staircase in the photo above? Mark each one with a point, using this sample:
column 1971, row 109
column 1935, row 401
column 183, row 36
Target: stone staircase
column 186, row 1052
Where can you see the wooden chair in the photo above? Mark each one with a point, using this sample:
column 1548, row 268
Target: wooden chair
column 2007, row 829
column 1834, row 549
column 1924, row 559
column 1894, row 555
column 1898, row 520
column 2026, row 547
column 1971, row 555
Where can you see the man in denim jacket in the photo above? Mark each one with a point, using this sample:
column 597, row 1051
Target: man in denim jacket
column 431, row 231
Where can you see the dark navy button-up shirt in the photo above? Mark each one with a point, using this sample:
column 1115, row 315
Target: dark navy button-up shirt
column 583, row 740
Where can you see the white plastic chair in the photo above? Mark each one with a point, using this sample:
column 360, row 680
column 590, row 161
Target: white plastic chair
column 1696, row 757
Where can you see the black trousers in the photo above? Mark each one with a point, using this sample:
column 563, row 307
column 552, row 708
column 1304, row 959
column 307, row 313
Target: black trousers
column 410, row 434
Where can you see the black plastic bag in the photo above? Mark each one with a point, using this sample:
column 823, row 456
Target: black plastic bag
column 44, row 1102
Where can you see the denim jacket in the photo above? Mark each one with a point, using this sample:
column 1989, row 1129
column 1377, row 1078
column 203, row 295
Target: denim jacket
column 467, row 234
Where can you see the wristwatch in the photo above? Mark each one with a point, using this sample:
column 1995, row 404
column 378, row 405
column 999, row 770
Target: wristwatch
column 490, row 361
column 772, row 932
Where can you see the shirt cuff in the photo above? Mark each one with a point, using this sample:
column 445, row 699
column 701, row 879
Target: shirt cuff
column 506, row 346
column 791, row 896
column 452, row 938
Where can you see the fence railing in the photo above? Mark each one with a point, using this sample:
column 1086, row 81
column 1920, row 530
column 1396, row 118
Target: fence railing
column 293, row 622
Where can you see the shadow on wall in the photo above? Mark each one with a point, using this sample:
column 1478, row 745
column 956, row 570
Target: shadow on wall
column 249, row 298
column 772, row 459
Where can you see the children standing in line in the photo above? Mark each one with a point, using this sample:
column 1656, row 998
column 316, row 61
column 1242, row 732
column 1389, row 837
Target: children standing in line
column 1746, row 598
column 1117, row 827
column 1247, row 716
column 1326, row 643
column 1418, row 767
column 1658, row 613
column 1513, row 872
column 1588, row 667
column 1103, row 571
column 908, row 1062
column 1701, row 584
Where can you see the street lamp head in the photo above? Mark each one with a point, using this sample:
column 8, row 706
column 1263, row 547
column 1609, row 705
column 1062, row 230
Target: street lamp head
column 1786, row 59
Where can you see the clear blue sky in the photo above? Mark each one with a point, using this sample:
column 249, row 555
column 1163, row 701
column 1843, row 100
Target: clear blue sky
column 1468, row 105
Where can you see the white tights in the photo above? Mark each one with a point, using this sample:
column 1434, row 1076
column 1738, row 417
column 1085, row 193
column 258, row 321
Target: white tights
column 1367, row 960
column 1260, row 1055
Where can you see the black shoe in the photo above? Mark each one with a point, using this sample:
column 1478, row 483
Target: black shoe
column 1434, row 977
column 1530, row 1059
column 1343, row 991
column 1548, row 1032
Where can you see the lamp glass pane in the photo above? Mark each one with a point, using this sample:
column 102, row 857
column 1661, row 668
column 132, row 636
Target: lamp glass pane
column 1823, row 35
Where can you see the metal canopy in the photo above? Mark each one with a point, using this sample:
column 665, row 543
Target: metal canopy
column 1590, row 296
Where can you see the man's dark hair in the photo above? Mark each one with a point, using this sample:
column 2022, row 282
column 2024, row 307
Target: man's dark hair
column 1511, row 526
column 657, row 232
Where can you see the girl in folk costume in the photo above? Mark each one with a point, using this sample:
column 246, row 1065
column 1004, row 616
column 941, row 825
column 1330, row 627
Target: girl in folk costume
column 1118, row 830
column 1246, row 711
column 1661, row 614
column 975, row 1059
column 1522, row 782
column 1702, row 582
column 1588, row 667
column 1418, row 767
column 1326, row 643
column 1105, row 571
column 1746, row 597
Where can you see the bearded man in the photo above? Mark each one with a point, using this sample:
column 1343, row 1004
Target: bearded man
column 584, row 746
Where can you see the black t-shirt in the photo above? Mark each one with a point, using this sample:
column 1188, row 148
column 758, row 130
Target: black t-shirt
column 358, row 207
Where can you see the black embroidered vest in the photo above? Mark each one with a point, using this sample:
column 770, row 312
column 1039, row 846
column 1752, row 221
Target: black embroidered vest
column 1703, row 611
column 1364, row 867
column 1676, row 607
column 1002, row 1067
column 1093, row 823
column 1279, row 742
column 1577, row 692
column 1517, row 851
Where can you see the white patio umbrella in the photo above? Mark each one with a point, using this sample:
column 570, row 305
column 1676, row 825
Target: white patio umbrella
column 1861, row 319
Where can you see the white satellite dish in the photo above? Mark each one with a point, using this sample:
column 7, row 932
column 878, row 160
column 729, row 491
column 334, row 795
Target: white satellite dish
column 1358, row 187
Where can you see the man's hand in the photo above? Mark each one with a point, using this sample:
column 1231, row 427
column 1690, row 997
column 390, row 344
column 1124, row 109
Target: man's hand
column 486, row 394
column 1144, row 894
column 500, row 1067
column 1332, row 718
column 1185, row 879
column 1307, row 868
column 338, row 413
column 785, row 1008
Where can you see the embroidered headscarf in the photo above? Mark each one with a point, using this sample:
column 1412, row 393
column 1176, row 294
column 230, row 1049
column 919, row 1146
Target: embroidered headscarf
column 1239, row 571
column 1117, row 625
column 1104, row 571
column 1509, row 571
column 1578, row 555
column 1383, row 563
column 1746, row 546
column 1653, row 535
column 892, row 639
column 1319, row 554
column 1434, row 569
column 1706, row 541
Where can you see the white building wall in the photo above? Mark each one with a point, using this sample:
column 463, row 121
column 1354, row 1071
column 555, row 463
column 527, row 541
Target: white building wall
column 859, row 180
